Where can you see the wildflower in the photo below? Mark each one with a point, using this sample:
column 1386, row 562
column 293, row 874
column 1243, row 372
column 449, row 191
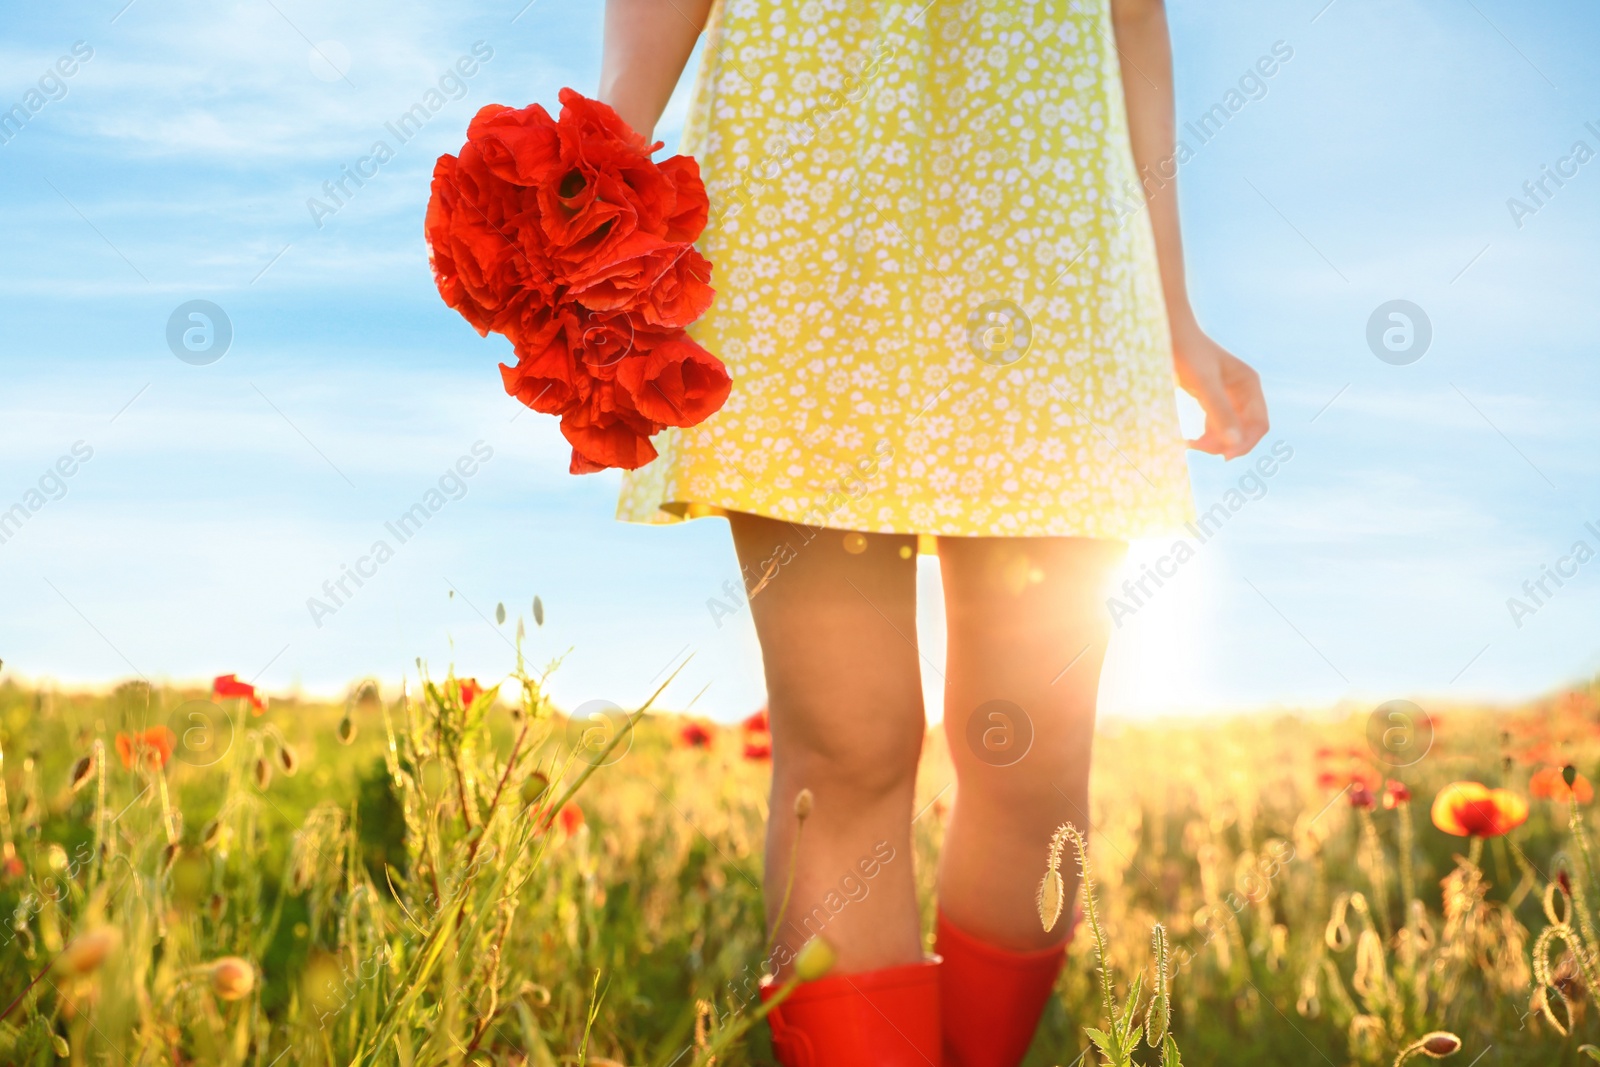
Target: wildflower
column 571, row 818
column 1395, row 794
column 148, row 748
column 470, row 690
column 757, row 723
column 1550, row 783
column 804, row 801
column 695, row 735
column 757, row 750
column 88, row 951
column 232, row 978
column 1472, row 809
column 12, row 867
column 228, row 685
column 1361, row 797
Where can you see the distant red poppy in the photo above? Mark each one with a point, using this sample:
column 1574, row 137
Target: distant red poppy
column 228, row 685
column 756, row 723
column 1361, row 797
column 1548, row 784
column 757, row 750
column 1472, row 809
column 1394, row 794
column 469, row 689
column 695, row 735
column 571, row 818
column 149, row 748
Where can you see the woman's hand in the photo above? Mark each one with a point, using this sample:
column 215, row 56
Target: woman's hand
column 1226, row 387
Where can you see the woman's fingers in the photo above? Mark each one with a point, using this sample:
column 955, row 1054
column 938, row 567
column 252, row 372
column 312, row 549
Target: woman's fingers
column 1223, row 433
column 1249, row 403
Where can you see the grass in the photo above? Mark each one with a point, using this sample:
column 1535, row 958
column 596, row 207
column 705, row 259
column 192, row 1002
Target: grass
column 429, row 879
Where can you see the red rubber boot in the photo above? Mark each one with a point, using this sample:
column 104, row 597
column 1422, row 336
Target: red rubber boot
column 885, row 1018
column 993, row 997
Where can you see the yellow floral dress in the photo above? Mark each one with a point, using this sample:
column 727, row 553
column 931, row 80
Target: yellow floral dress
column 937, row 288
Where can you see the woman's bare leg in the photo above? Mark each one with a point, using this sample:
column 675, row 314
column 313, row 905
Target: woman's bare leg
column 1027, row 629
column 838, row 631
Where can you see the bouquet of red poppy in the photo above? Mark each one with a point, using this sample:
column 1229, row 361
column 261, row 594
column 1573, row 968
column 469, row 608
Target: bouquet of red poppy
column 566, row 237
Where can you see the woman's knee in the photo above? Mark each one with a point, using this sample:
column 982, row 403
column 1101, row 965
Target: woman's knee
column 867, row 761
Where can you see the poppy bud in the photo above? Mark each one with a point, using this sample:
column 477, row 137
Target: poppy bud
column 1569, row 774
column 89, row 950
column 263, row 773
column 288, row 759
column 1440, row 1043
column 232, row 978
column 816, row 958
column 347, row 730
column 533, row 787
column 803, row 802
column 80, row 772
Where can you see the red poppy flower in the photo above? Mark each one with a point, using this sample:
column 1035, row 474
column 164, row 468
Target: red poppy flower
column 469, row 689
column 1548, row 784
column 564, row 235
column 757, row 751
column 1394, row 794
column 571, row 818
column 1472, row 809
column 228, row 685
column 757, row 722
column 150, row 748
column 1361, row 797
column 695, row 735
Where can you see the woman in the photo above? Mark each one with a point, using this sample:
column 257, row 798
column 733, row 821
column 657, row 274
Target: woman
column 951, row 294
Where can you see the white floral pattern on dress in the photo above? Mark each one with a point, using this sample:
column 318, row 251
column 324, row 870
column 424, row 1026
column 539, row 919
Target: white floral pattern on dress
column 878, row 171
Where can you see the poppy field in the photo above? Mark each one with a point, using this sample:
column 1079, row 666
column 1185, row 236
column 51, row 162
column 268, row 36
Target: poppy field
column 457, row 873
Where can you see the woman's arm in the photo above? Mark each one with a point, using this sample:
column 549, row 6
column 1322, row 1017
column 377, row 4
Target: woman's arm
column 1228, row 390
column 647, row 42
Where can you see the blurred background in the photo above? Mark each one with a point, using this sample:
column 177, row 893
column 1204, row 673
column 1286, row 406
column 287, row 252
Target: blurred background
column 1437, row 152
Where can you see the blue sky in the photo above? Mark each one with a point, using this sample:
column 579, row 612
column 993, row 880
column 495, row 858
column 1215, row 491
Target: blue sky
column 176, row 162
